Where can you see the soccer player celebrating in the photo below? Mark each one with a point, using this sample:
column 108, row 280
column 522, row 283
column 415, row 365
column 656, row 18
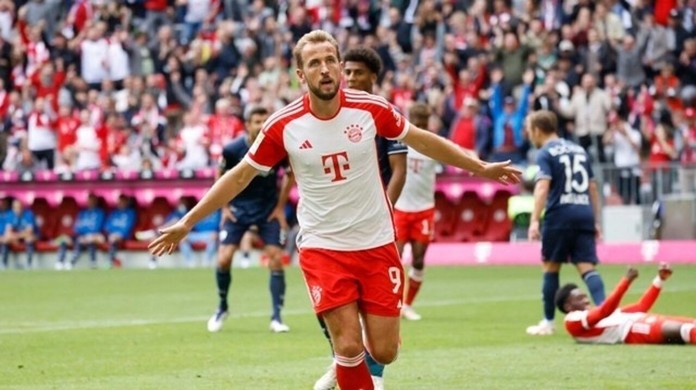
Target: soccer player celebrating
column 346, row 241
column 414, row 212
column 631, row 324
column 261, row 205
column 565, row 184
column 361, row 66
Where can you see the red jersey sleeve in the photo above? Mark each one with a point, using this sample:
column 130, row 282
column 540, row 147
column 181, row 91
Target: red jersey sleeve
column 390, row 123
column 268, row 149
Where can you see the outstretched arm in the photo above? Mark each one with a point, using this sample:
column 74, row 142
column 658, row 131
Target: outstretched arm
column 651, row 294
column 224, row 189
column 446, row 151
column 612, row 303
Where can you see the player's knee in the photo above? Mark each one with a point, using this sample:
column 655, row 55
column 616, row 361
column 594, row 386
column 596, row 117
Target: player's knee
column 275, row 258
column 385, row 355
column 348, row 347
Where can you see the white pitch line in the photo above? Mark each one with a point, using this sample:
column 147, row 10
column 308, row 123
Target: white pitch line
column 37, row 327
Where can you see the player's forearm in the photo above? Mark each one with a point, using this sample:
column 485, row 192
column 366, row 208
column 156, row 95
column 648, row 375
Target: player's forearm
column 541, row 192
column 647, row 300
column 222, row 191
column 397, row 181
column 610, row 305
column 442, row 150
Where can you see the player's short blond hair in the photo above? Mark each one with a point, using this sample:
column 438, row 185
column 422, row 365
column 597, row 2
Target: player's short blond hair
column 316, row 36
column 544, row 120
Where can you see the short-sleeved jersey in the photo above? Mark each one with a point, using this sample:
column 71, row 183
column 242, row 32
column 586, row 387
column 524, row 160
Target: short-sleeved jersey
column 419, row 189
column 568, row 167
column 610, row 330
column 260, row 197
column 342, row 204
column 386, row 148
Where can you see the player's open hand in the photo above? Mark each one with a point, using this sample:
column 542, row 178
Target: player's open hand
column 664, row 271
column 533, row 233
column 502, row 172
column 631, row 274
column 279, row 214
column 227, row 215
column 169, row 239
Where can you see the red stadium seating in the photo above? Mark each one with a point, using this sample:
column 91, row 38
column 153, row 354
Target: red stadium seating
column 445, row 218
column 498, row 224
column 472, row 214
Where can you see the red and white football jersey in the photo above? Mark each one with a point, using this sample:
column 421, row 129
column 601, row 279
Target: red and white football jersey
column 610, row 330
column 342, row 202
column 418, row 193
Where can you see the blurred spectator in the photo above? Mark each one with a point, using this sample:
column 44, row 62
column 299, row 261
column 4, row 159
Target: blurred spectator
column 87, row 144
column 470, row 129
column 687, row 177
column 625, row 142
column 20, row 228
column 204, row 232
column 119, row 227
column 508, row 119
column 589, row 107
column 194, row 143
column 87, row 234
column 41, row 137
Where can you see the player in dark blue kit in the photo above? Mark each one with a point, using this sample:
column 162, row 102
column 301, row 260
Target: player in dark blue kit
column 361, row 67
column 261, row 205
column 565, row 184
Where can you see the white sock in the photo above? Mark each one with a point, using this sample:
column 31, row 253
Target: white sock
column 416, row 274
column 686, row 332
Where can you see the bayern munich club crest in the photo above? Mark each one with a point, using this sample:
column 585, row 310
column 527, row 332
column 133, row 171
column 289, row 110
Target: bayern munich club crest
column 316, row 295
column 354, row 133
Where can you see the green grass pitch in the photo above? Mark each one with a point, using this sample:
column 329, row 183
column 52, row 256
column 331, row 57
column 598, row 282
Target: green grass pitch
column 142, row 329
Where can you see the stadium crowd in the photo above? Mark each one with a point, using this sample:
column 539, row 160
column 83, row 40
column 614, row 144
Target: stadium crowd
column 142, row 84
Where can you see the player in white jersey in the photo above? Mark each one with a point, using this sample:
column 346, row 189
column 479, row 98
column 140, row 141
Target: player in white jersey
column 346, row 240
column 630, row 324
column 414, row 212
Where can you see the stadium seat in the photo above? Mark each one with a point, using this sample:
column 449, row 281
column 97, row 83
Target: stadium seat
column 498, row 225
column 149, row 217
column 65, row 215
column 445, row 218
column 471, row 217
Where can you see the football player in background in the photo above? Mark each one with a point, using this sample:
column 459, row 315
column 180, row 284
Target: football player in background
column 261, row 204
column 630, row 324
column 414, row 211
column 566, row 187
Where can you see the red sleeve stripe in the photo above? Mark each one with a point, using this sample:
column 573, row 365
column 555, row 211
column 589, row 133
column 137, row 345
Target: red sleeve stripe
column 282, row 114
column 364, row 97
column 368, row 101
column 283, row 111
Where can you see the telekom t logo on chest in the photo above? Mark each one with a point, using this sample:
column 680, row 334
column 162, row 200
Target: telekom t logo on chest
column 336, row 164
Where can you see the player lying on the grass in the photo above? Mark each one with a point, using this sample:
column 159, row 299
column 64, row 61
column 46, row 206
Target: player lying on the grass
column 630, row 324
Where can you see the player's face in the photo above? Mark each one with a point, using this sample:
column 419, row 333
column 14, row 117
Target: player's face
column 358, row 76
column 321, row 70
column 577, row 300
column 254, row 125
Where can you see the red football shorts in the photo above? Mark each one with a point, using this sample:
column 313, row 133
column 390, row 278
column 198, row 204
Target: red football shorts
column 372, row 277
column 414, row 226
column 648, row 330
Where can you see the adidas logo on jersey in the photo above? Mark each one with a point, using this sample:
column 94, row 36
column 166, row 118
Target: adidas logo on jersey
column 306, row 145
